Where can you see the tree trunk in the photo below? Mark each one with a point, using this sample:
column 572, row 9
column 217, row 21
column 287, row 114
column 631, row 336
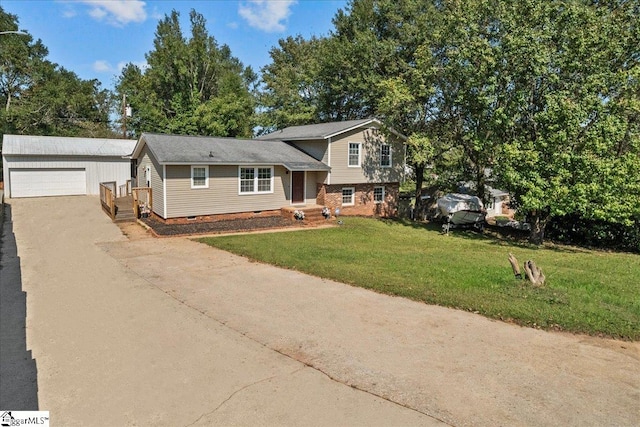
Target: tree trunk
column 532, row 271
column 419, row 171
column 481, row 185
column 514, row 265
column 538, row 224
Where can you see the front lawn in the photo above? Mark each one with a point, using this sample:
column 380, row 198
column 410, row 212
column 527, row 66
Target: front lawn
column 590, row 292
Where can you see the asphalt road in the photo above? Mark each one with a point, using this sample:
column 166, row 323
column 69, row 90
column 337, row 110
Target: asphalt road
column 132, row 330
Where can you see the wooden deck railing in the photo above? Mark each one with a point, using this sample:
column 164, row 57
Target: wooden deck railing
column 108, row 198
column 142, row 201
column 125, row 189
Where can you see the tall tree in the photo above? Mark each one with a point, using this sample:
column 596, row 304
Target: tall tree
column 190, row 86
column 572, row 145
column 323, row 79
column 289, row 96
column 42, row 98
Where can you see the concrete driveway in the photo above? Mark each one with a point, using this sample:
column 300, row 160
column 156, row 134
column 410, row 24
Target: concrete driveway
column 141, row 331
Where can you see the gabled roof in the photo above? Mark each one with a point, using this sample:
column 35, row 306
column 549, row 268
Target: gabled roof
column 184, row 149
column 29, row 145
column 318, row 131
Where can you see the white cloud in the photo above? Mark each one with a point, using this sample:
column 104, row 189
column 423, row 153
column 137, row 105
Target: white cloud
column 266, row 15
column 102, row 66
column 97, row 13
column 117, row 12
column 69, row 13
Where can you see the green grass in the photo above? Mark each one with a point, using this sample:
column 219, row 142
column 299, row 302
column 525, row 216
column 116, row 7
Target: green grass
column 591, row 292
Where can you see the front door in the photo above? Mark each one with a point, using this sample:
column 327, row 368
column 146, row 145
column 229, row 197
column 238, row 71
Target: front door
column 297, row 187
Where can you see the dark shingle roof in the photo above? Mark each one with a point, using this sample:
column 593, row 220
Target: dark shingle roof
column 317, row 131
column 172, row 149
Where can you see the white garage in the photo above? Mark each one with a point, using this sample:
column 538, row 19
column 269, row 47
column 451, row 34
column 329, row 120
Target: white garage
column 37, row 166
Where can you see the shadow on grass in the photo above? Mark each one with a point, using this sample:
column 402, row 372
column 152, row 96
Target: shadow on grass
column 418, row 225
column 492, row 234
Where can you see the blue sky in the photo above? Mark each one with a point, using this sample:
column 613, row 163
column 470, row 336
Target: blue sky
column 95, row 38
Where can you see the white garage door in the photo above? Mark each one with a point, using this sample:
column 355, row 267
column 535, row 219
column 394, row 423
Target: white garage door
column 48, row 182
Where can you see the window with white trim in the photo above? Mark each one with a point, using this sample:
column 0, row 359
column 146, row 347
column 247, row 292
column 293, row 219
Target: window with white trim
column 385, row 155
column 264, row 180
column 354, row 154
column 348, row 196
column 378, row 194
column 256, row 180
column 199, row 177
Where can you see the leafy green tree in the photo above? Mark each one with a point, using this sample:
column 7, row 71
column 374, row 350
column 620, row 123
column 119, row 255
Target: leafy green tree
column 289, row 96
column 572, row 144
column 190, row 86
column 405, row 79
column 322, row 79
column 42, row 98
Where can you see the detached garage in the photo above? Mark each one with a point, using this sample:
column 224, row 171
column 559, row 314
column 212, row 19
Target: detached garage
column 36, row 166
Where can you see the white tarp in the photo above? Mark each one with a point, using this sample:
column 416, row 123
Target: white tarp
column 455, row 202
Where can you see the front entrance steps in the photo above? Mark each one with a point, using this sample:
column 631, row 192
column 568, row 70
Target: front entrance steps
column 312, row 213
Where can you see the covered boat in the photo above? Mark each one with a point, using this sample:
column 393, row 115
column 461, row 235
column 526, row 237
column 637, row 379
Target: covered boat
column 461, row 210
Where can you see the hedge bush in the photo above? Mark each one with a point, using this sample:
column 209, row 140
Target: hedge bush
column 579, row 231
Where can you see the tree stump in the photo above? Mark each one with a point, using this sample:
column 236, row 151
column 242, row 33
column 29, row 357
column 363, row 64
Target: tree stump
column 533, row 272
column 515, row 267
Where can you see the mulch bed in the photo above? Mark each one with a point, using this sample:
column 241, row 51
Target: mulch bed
column 223, row 226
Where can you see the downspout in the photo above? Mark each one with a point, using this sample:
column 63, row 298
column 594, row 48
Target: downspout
column 329, row 161
column 404, row 163
column 164, row 191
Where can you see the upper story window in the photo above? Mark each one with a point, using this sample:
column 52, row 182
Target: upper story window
column 254, row 180
column 385, row 155
column 199, row 177
column 354, row 154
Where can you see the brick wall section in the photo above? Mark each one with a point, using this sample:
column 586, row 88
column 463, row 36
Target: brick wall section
column 220, row 217
column 331, row 197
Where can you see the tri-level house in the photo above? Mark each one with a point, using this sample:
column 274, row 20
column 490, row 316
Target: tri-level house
column 349, row 167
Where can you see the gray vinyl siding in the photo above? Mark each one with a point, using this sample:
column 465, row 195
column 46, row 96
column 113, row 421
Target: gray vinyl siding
column 222, row 195
column 311, row 187
column 156, row 181
column 370, row 170
column 317, row 149
column 98, row 169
